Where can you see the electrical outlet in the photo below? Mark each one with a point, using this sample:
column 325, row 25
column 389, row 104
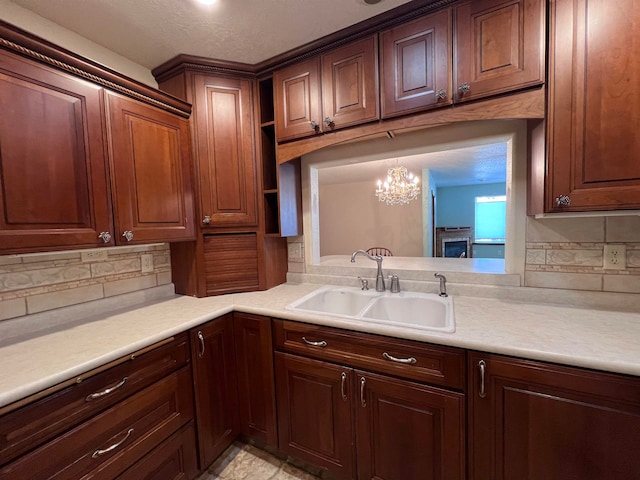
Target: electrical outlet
column 147, row 262
column 93, row 255
column 615, row 257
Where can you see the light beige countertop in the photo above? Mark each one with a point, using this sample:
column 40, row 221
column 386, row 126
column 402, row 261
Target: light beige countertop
column 603, row 340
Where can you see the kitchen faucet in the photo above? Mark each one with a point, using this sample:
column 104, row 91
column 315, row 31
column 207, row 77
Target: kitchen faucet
column 443, row 284
column 380, row 286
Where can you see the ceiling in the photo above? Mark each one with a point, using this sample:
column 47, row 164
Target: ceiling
column 461, row 166
column 150, row 32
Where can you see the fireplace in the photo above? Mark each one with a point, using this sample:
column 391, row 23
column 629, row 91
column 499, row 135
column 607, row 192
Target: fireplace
column 453, row 242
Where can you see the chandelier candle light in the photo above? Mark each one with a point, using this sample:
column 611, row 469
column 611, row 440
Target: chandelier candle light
column 400, row 187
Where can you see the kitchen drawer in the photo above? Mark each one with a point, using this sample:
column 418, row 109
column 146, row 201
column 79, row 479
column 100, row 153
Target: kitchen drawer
column 27, row 427
column 173, row 459
column 435, row 364
column 105, row 445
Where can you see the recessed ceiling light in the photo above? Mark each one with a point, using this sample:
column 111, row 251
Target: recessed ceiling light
column 207, row 2
column 371, row 2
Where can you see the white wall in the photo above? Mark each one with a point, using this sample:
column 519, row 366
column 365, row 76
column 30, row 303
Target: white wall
column 37, row 25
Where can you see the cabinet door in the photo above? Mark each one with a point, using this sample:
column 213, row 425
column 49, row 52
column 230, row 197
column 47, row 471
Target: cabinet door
column 151, row 178
column 53, row 179
column 223, row 122
column 215, row 385
column 535, row 421
column 408, row 431
column 350, row 92
column 256, row 383
column 415, row 59
column 315, row 418
column 297, row 106
column 593, row 144
column 499, row 47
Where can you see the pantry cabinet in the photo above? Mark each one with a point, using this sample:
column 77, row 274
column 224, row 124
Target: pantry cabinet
column 215, row 387
column 593, row 108
column 541, row 421
column 499, row 47
column 337, row 89
column 415, row 65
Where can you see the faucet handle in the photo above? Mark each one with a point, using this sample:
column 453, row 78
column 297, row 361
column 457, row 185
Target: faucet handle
column 395, row 283
column 364, row 283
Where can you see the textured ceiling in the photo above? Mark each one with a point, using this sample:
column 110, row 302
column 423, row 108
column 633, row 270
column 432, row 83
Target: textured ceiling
column 461, row 166
column 150, row 32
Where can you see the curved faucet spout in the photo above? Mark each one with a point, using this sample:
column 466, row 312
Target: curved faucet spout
column 380, row 286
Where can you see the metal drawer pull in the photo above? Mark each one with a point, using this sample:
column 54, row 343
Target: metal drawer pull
column 342, row 385
column 98, row 453
column 201, row 337
column 482, row 365
column 362, row 384
column 321, row 343
column 409, row 360
column 106, row 391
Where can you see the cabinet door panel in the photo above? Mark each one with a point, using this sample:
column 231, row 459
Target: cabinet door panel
column 216, row 390
column 593, row 105
column 256, row 384
column 223, row 120
column 297, row 100
column 407, row 430
column 315, row 420
column 540, row 422
column 149, row 157
column 499, row 46
column 350, row 84
column 416, row 64
column 53, row 177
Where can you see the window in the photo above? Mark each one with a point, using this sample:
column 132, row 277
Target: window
column 491, row 219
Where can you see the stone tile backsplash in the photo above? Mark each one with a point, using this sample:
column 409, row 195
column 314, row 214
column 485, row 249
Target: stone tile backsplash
column 40, row 282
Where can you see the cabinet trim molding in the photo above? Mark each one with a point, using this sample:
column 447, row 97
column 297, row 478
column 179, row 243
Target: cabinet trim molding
column 18, row 41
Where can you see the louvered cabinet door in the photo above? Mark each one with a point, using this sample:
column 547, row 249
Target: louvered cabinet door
column 231, row 263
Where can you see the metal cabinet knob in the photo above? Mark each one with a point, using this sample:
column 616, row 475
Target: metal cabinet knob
column 206, row 220
column 441, row 94
column 128, row 235
column 314, row 125
column 328, row 122
column 105, row 236
column 464, row 88
column 563, row 201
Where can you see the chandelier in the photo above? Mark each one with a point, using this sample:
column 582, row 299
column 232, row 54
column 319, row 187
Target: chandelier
column 399, row 188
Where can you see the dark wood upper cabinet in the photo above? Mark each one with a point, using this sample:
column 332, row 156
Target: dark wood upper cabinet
column 415, row 65
column 593, row 144
column 498, row 47
column 336, row 90
column 298, row 108
column 149, row 153
column 537, row 421
column 53, row 174
column 350, row 91
column 223, row 126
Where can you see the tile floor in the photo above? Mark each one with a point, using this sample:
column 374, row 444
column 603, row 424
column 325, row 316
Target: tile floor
column 246, row 462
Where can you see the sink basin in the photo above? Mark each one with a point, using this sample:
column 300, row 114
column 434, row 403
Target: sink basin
column 406, row 309
column 343, row 301
column 417, row 310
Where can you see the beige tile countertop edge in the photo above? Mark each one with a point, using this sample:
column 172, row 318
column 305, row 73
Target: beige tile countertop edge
column 602, row 340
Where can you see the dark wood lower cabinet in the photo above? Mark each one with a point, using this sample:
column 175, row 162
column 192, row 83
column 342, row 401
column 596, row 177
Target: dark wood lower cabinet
column 215, row 387
column 362, row 425
column 535, row 421
column 256, row 388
